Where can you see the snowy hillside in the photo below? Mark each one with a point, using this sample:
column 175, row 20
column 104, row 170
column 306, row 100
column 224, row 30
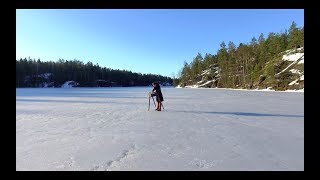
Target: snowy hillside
column 106, row 129
column 296, row 58
column 290, row 67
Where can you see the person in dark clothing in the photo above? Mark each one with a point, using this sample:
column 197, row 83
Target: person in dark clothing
column 156, row 91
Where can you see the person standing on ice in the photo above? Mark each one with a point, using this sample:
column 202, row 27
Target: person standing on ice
column 156, row 91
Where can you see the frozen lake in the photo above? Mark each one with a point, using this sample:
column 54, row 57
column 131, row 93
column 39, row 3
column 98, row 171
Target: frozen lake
column 199, row 129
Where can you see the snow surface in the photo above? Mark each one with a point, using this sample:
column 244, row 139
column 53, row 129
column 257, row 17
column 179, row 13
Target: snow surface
column 296, row 81
column 207, row 71
column 199, row 129
column 302, row 78
column 292, row 57
column 193, row 86
column 45, row 75
column 297, row 58
column 301, row 61
column 207, row 83
column 295, row 71
column 299, row 90
column 69, row 84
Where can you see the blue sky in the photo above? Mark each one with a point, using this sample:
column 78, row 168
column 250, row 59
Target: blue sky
column 155, row 41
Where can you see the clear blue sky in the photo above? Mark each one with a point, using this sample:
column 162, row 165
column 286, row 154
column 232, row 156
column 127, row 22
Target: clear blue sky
column 155, row 41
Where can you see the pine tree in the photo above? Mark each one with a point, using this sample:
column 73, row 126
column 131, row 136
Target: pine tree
column 222, row 57
column 232, row 65
column 185, row 74
column 295, row 40
column 196, row 67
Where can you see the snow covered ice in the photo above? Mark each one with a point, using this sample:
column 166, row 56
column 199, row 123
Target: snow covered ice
column 107, row 129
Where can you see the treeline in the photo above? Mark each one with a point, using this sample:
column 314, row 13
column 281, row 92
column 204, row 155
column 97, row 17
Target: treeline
column 243, row 65
column 35, row 73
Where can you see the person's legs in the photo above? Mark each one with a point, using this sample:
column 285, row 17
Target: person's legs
column 159, row 106
column 158, row 103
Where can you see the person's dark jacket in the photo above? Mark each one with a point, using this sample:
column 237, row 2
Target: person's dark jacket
column 157, row 90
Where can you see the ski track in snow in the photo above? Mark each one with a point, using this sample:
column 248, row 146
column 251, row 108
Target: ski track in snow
column 124, row 154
